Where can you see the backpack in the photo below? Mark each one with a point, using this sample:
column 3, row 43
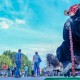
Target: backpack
column 39, row 59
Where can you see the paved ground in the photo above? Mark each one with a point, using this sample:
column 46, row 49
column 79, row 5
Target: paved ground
column 39, row 78
column 23, row 78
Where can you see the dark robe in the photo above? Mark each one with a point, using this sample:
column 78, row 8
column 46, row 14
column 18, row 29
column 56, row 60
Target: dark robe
column 63, row 51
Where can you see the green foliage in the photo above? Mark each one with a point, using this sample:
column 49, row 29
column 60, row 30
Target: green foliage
column 11, row 55
column 25, row 60
column 5, row 59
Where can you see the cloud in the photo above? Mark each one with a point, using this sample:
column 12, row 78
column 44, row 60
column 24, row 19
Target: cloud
column 5, row 23
column 20, row 21
column 4, row 47
column 42, row 48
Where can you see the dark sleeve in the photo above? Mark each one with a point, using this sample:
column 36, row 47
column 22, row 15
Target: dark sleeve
column 66, row 29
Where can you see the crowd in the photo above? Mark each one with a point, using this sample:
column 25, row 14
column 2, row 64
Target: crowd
column 48, row 70
column 15, row 71
column 58, row 70
column 7, row 71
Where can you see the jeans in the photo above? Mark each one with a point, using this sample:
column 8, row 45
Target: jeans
column 36, row 67
column 32, row 73
column 26, row 73
column 9, row 74
column 18, row 65
column 4, row 72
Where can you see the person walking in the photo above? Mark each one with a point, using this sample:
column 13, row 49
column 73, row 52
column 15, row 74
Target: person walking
column 36, row 60
column 26, row 70
column 18, row 60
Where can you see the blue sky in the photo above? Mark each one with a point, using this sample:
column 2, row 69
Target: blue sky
column 32, row 25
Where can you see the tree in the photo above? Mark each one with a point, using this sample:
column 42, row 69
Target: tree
column 5, row 59
column 11, row 55
column 25, row 60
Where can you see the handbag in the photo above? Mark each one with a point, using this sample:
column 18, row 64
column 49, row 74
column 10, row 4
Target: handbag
column 39, row 59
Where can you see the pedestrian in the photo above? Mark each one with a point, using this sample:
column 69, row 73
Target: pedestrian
column 26, row 70
column 36, row 60
column 18, row 60
column 0, row 69
column 9, row 74
column 5, row 70
column 32, row 70
column 13, row 70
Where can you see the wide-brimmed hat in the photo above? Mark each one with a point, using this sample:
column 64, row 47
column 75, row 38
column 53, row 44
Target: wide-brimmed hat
column 72, row 10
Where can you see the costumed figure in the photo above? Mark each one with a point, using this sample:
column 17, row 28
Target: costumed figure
column 69, row 51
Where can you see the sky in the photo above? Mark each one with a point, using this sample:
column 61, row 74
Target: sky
column 33, row 25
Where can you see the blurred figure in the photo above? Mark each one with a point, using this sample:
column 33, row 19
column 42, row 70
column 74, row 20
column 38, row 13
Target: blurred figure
column 5, row 70
column 13, row 71
column 9, row 74
column 32, row 71
column 18, row 60
column 23, row 73
column 26, row 70
column 36, row 60
column 0, row 69
column 64, row 51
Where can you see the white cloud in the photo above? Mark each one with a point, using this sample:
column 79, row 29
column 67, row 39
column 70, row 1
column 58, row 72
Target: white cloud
column 5, row 23
column 43, row 49
column 20, row 21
